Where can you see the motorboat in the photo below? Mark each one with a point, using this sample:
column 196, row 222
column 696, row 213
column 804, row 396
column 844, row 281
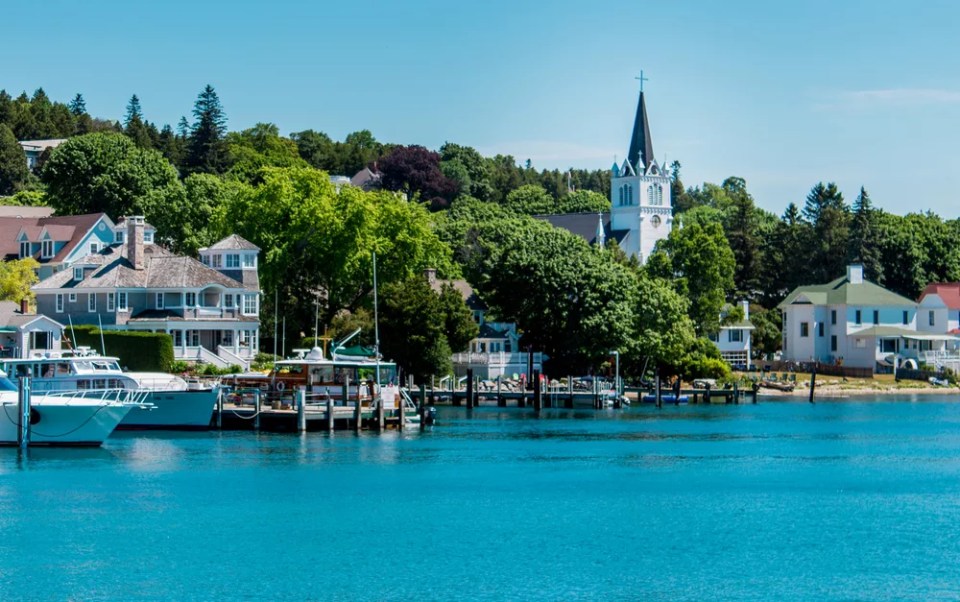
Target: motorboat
column 65, row 418
column 168, row 402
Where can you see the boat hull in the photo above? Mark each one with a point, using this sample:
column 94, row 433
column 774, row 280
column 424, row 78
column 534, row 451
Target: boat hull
column 56, row 423
column 174, row 410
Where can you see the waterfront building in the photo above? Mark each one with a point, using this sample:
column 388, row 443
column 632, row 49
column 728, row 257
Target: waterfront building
column 734, row 338
column 849, row 320
column 495, row 351
column 32, row 149
column 24, row 333
column 210, row 306
column 939, row 313
column 56, row 242
column 641, row 212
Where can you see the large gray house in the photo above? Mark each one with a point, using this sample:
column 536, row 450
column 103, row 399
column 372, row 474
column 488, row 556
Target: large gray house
column 211, row 306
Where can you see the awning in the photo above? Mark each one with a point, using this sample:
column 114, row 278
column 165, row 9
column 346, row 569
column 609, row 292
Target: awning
column 8, row 329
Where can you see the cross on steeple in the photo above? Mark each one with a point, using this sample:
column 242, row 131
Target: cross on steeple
column 642, row 79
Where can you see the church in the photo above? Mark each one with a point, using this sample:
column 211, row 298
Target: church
column 641, row 208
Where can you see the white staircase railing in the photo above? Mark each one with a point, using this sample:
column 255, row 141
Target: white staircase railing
column 208, row 357
column 233, row 358
column 409, row 410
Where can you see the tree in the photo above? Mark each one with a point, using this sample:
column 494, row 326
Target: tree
column 863, row 246
column 77, row 106
column 414, row 170
column 317, row 149
column 662, row 329
column 698, row 261
column 468, row 168
column 259, row 147
column 13, row 164
column 765, row 338
column 207, row 149
column 133, row 125
column 458, row 324
column 108, row 173
column 16, row 279
column 741, row 233
column 530, row 200
column 317, row 243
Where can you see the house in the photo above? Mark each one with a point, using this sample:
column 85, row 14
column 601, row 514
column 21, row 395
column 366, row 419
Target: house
column 641, row 212
column 495, row 351
column 25, row 211
column 854, row 322
column 367, row 179
column 211, row 306
column 34, row 148
column 55, row 242
column 938, row 314
column 733, row 340
column 23, row 333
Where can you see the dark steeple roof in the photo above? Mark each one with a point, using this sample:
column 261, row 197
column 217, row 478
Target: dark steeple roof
column 641, row 146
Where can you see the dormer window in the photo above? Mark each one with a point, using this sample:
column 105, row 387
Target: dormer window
column 46, row 249
column 24, row 249
column 233, row 260
column 249, row 260
column 217, row 261
column 205, row 260
column 78, row 274
column 148, row 236
column 119, row 236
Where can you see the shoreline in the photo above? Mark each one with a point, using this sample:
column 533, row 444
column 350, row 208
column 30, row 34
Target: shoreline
column 837, row 391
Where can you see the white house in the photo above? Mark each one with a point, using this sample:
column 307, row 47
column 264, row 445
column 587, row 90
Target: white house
column 939, row 314
column 34, row 148
column 850, row 321
column 734, row 339
column 23, row 333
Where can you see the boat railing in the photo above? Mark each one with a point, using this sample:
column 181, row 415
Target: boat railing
column 124, row 396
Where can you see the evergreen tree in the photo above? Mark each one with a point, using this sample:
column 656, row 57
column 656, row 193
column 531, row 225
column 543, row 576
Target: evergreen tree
column 133, row 125
column 78, row 106
column 864, row 247
column 742, row 235
column 828, row 214
column 13, row 165
column 207, row 148
column 134, row 112
column 171, row 146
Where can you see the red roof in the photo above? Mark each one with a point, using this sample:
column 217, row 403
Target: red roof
column 949, row 292
column 71, row 228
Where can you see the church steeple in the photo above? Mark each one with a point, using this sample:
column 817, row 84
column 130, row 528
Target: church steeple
column 641, row 146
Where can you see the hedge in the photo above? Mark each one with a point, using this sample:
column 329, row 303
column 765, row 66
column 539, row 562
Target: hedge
column 137, row 351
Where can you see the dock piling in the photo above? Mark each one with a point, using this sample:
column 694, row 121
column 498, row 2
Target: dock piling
column 220, row 408
column 256, row 407
column 330, row 414
column 301, row 410
column 537, row 393
column 813, row 382
column 469, row 388
column 23, row 403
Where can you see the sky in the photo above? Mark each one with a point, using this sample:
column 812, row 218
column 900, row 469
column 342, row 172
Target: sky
column 782, row 94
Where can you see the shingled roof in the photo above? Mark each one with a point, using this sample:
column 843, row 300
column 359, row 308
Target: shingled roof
column 234, row 242
column 842, row 292
column 162, row 269
column 71, row 228
column 949, row 293
column 584, row 225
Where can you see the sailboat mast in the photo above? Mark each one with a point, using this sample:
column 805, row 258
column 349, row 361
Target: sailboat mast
column 376, row 319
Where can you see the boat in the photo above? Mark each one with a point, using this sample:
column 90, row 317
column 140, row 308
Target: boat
column 371, row 380
column 777, row 385
column 665, row 398
column 169, row 402
column 65, row 418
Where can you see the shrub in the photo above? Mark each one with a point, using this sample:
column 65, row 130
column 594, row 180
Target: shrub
column 137, row 351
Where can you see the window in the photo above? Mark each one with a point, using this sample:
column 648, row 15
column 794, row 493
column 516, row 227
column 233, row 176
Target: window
column 193, row 338
column 216, row 261
column 819, row 329
column 177, row 337
column 860, row 343
column 94, row 248
column 804, row 329
column 73, row 297
column 159, row 300
column 249, row 260
column 833, row 317
column 858, row 319
column 191, row 300
column 24, row 249
column 250, row 305
column 931, row 318
column 228, row 301
column 59, row 303
column 622, row 188
column 122, row 301
column 833, row 342
column 714, row 337
column 906, row 317
column 736, row 335
column 46, row 249
column 111, row 301
column 227, row 338
column 148, row 236
column 205, row 259
column 876, row 317
column 118, row 237
column 651, row 196
column 78, row 273
column 233, row 260
column 91, row 302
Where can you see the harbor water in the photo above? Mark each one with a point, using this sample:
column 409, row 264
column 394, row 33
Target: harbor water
column 783, row 500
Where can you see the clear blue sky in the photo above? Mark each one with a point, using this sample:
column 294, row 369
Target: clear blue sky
column 781, row 94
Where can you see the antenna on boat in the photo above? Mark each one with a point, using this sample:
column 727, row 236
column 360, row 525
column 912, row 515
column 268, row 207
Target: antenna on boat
column 376, row 320
column 73, row 334
column 103, row 346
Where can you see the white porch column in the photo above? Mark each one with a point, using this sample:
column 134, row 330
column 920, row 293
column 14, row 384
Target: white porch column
column 236, row 341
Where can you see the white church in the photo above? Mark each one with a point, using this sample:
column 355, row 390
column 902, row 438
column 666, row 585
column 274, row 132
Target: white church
column 642, row 210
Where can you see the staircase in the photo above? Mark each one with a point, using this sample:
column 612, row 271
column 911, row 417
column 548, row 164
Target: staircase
column 411, row 414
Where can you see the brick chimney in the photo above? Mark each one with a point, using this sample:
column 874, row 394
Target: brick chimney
column 24, row 306
column 135, row 241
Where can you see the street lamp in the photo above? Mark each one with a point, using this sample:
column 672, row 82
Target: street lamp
column 616, row 374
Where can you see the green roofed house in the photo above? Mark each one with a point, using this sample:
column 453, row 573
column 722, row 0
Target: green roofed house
column 853, row 322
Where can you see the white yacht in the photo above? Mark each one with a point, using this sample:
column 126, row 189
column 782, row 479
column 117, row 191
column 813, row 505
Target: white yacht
column 64, row 419
column 169, row 402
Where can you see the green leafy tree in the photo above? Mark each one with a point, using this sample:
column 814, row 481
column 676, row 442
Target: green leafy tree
column 662, row 330
column 16, row 278
column 108, row 173
column 458, row 324
column 413, row 326
column 317, row 149
column 13, row 164
column 530, row 199
column 260, row 146
column 765, row 338
column 207, row 148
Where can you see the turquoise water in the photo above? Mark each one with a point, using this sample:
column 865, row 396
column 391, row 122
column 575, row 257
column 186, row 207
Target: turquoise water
column 840, row 500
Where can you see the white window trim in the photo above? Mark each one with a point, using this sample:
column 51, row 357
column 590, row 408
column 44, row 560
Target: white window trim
column 111, row 302
column 186, row 299
column 94, row 248
column 91, row 302
column 25, row 243
column 44, row 253
column 122, row 301
column 78, row 273
column 59, row 303
column 73, row 297
column 159, row 300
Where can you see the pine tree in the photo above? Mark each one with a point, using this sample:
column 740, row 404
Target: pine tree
column 13, row 165
column 78, row 106
column 207, row 149
column 864, row 247
column 134, row 112
column 133, row 125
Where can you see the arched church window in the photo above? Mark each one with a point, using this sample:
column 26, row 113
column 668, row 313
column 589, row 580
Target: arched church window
column 621, row 195
column 630, row 194
column 651, row 196
column 659, row 194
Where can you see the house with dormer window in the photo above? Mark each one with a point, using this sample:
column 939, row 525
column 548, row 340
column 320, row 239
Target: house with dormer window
column 209, row 306
column 54, row 241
